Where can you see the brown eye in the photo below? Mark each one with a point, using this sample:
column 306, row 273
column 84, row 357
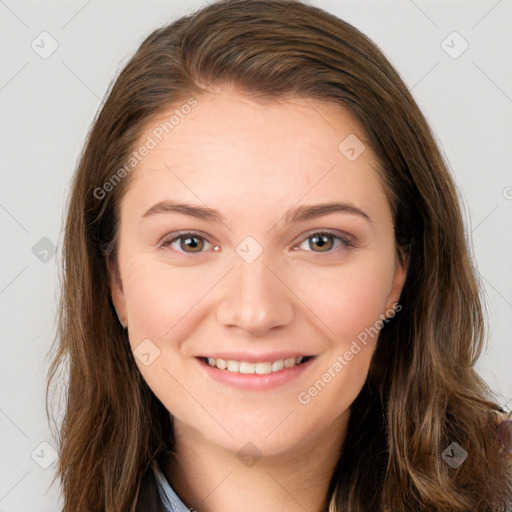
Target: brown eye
column 323, row 241
column 186, row 243
column 195, row 243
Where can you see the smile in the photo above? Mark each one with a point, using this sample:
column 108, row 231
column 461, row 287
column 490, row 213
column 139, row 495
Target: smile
column 261, row 368
column 255, row 376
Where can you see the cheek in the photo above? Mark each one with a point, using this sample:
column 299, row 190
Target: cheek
column 347, row 300
column 349, row 305
column 343, row 301
column 158, row 296
column 162, row 306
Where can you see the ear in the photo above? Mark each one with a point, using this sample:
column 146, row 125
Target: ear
column 116, row 291
column 401, row 266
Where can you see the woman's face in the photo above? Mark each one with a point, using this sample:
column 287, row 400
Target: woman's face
column 254, row 278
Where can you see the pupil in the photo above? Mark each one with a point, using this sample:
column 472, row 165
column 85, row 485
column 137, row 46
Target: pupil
column 193, row 241
column 321, row 241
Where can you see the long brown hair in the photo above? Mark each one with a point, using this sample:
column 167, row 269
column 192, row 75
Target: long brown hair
column 422, row 392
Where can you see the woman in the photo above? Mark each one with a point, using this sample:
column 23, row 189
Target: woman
column 268, row 301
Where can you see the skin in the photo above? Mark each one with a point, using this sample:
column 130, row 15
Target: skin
column 252, row 161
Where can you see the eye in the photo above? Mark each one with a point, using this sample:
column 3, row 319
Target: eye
column 325, row 241
column 185, row 241
column 194, row 243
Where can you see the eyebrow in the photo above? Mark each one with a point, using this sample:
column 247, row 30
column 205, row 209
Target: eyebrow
column 299, row 214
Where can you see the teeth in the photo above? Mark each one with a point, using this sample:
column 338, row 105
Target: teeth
column 263, row 368
column 246, row 368
column 259, row 368
column 278, row 365
column 233, row 366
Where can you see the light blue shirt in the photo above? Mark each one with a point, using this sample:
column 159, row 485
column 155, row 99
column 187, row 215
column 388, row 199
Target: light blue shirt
column 170, row 500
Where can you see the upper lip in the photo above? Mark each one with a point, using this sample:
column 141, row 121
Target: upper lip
column 254, row 358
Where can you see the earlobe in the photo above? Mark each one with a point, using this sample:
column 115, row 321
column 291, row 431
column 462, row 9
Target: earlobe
column 399, row 278
column 116, row 291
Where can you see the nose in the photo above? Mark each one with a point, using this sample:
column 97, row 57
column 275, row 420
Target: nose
column 255, row 298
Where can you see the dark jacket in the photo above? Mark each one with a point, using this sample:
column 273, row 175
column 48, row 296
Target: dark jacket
column 148, row 499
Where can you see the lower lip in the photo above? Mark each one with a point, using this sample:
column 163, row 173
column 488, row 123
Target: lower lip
column 255, row 381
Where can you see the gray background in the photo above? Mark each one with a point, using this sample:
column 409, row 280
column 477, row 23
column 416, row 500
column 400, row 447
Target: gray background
column 47, row 105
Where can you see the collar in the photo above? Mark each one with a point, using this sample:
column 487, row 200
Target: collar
column 170, row 500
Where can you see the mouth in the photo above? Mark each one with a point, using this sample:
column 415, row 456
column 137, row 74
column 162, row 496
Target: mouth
column 260, row 368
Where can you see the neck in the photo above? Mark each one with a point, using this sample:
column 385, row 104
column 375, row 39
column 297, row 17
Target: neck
column 209, row 478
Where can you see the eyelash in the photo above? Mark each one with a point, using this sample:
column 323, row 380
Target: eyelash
column 345, row 240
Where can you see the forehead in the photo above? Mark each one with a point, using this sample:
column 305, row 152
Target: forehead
column 233, row 149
